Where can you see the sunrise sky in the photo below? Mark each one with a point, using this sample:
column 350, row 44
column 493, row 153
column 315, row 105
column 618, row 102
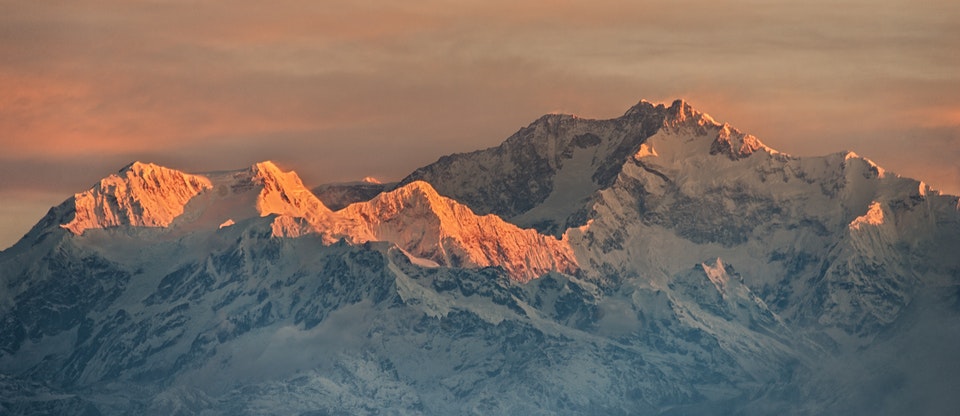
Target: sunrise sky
column 339, row 90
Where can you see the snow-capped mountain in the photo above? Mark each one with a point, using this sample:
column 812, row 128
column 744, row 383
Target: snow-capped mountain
column 139, row 195
column 442, row 230
column 815, row 234
column 432, row 229
column 545, row 175
column 656, row 263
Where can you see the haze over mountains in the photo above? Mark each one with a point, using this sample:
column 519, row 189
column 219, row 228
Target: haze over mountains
column 656, row 263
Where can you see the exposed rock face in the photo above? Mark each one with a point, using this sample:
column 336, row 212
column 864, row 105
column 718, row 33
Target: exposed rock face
column 545, row 175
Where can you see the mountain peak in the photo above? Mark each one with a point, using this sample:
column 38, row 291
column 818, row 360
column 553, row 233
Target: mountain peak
column 137, row 166
column 680, row 118
column 681, row 112
column 269, row 170
column 681, row 106
column 430, row 226
column 267, row 166
column 643, row 107
column 140, row 194
column 678, row 113
column 418, row 189
column 689, row 270
column 149, row 195
column 735, row 144
column 414, row 216
column 284, row 194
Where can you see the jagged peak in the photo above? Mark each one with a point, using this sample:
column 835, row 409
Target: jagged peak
column 430, row 226
column 149, row 195
column 548, row 121
column 269, row 169
column 681, row 109
column 736, row 144
column 683, row 120
column 642, row 108
column 139, row 194
column 284, row 193
column 418, row 188
column 677, row 114
column 137, row 166
column 849, row 155
column 416, row 195
column 681, row 113
column 142, row 168
column 273, row 177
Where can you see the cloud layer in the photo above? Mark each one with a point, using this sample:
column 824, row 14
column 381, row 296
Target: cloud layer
column 341, row 90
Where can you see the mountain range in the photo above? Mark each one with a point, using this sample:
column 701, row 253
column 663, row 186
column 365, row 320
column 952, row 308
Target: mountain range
column 660, row 262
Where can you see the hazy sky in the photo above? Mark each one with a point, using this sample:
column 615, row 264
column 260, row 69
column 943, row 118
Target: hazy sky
column 338, row 90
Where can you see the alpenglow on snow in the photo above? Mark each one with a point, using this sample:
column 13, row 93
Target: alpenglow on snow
column 660, row 262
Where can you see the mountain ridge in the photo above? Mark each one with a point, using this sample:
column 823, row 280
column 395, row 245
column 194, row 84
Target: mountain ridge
column 660, row 262
column 178, row 202
column 543, row 149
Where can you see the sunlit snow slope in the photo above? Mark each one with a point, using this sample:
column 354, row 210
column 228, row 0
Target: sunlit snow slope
column 660, row 262
column 413, row 216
